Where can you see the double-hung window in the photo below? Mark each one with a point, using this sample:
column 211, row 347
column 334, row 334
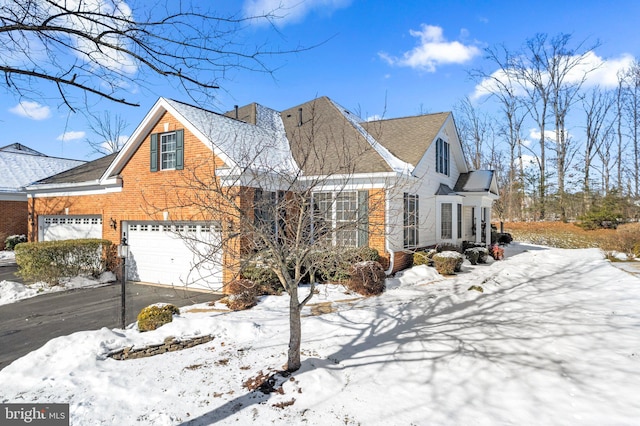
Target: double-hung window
column 341, row 217
column 442, row 157
column 411, row 219
column 446, row 221
column 167, row 151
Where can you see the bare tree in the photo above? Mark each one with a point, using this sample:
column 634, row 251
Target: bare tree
column 598, row 125
column 109, row 48
column 630, row 99
column 296, row 217
column 109, row 131
column 501, row 86
column 475, row 128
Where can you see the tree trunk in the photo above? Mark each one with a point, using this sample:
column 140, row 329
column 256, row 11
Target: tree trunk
column 295, row 331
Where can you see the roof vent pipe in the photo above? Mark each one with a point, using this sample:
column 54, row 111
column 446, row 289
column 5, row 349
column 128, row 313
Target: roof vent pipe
column 235, row 107
column 299, row 117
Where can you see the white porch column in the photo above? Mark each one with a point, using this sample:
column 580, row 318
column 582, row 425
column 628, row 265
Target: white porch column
column 488, row 228
column 478, row 220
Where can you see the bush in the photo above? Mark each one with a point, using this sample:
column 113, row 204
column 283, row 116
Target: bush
column 155, row 316
column 335, row 265
column 266, row 280
column 448, row 262
column 483, row 254
column 472, row 254
column 497, row 253
column 366, row 278
column 51, row 261
column 13, row 240
column 243, row 294
column 423, row 257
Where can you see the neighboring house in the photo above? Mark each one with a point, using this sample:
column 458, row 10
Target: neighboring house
column 19, row 167
column 408, row 175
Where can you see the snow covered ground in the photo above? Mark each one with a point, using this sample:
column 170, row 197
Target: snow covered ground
column 554, row 338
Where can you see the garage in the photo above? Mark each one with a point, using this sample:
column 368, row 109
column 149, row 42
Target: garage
column 65, row 227
column 179, row 254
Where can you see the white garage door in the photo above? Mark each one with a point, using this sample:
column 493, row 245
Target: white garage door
column 179, row 254
column 63, row 227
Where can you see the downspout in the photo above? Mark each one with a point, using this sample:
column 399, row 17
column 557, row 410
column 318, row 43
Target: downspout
column 386, row 238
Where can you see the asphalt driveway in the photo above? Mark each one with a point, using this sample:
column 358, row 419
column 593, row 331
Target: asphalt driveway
column 28, row 324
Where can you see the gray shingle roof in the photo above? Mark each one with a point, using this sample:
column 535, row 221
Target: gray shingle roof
column 87, row 172
column 19, row 168
column 407, row 138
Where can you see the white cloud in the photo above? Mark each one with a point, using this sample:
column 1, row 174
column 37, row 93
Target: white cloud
column 549, row 135
column 71, row 136
column 32, row 110
column 433, row 50
column 290, row 11
column 599, row 72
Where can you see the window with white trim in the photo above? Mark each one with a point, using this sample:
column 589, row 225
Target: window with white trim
column 446, row 221
column 168, row 151
column 411, row 219
column 442, row 157
column 341, row 217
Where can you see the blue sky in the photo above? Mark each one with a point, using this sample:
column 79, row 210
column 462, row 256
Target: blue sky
column 376, row 58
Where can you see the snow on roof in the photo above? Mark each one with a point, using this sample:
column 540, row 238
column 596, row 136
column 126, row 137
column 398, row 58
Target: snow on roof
column 394, row 162
column 263, row 148
column 477, row 181
column 18, row 169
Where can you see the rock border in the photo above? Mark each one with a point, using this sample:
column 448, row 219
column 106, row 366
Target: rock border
column 171, row 344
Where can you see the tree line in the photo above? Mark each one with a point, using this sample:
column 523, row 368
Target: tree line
column 585, row 145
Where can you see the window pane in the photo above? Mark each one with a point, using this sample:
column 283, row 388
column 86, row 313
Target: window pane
column 168, row 151
column 446, row 221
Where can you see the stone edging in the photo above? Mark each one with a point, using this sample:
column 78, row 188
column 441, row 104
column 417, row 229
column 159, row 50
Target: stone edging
column 171, row 344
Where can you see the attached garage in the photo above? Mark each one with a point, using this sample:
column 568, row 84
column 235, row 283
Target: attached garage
column 180, row 254
column 65, row 227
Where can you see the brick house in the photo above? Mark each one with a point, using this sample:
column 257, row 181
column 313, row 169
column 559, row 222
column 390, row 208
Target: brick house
column 407, row 177
column 19, row 167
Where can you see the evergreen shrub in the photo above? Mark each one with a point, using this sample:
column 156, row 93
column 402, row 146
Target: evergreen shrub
column 155, row 316
column 51, row 261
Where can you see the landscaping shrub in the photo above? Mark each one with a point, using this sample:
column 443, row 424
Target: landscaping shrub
column 51, row 261
column 155, row 316
column 13, row 240
column 336, row 265
column 483, row 254
column 366, row 278
column 448, row 262
column 266, row 280
column 423, row 257
column 448, row 247
column 497, row 252
column 472, row 254
column 243, row 294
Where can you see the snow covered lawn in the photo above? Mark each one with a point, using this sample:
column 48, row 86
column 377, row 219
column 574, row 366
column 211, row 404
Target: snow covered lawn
column 554, row 338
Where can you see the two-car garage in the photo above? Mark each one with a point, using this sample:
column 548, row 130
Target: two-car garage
column 178, row 254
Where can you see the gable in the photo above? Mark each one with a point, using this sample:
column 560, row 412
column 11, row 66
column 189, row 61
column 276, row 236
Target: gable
column 324, row 142
column 407, row 138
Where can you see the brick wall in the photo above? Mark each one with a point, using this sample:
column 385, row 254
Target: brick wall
column 147, row 195
column 13, row 219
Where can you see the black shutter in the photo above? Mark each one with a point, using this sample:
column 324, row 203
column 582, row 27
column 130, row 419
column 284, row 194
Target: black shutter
column 363, row 218
column 154, row 152
column 179, row 149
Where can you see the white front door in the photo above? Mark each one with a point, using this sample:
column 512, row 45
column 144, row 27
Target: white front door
column 184, row 254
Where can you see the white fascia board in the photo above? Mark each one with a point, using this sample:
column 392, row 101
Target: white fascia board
column 13, row 196
column 74, row 189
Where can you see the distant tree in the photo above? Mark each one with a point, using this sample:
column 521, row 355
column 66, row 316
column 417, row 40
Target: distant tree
column 598, row 125
column 109, row 48
column 109, row 131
